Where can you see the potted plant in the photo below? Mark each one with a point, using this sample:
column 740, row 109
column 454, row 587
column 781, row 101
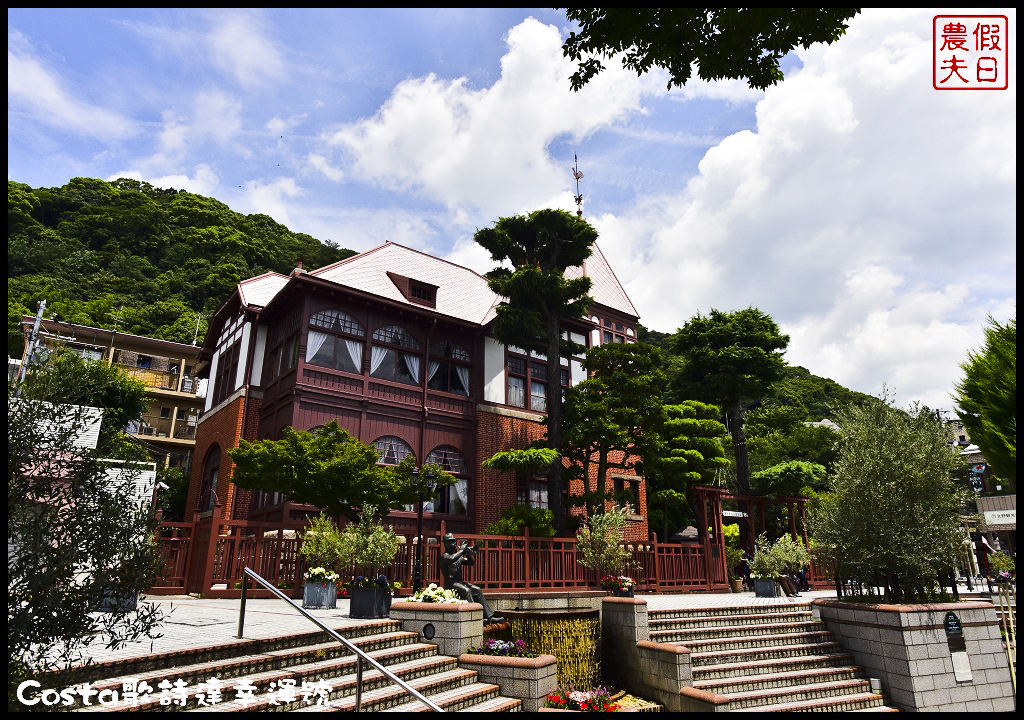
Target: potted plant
column 733, row 556
column 599, row 542
column 619, row 585
column 765, row 568
column 370, row 546
column 321, row 547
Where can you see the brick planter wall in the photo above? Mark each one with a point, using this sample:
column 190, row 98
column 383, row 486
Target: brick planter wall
column 458, row 627
column 527, row 679
column 906, row 648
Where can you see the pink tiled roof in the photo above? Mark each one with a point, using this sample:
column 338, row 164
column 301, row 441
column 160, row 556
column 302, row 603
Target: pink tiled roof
column 261, row 289
column 461, row 293
column 605, row 287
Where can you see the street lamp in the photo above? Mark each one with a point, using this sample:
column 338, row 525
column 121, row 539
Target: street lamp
column 428, row 484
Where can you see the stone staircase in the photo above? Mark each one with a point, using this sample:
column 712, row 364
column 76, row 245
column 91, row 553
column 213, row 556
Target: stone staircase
column 768, row 658
column 309, row 672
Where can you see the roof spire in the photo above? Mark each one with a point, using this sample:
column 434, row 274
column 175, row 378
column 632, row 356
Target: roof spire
column 579, row 176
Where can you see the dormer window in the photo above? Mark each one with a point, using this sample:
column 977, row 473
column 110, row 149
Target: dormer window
column 415, row 291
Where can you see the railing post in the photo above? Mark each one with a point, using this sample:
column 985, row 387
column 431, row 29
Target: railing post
column 241, row 612
column 526, row 558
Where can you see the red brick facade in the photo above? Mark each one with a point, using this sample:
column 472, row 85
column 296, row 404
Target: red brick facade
column 235, row 419
column 501, row 429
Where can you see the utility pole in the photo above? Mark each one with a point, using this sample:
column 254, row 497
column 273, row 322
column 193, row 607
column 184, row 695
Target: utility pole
column 33, row 341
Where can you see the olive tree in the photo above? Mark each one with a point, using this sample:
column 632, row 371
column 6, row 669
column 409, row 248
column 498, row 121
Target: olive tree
column 892, row 515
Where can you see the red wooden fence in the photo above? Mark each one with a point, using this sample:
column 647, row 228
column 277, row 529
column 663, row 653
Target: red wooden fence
column 207, row 556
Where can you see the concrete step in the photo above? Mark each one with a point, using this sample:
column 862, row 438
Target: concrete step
column 753, row 642
column 784, row 679
column 802, row 663
column 699, row 621
column 797, row 694
column 456, row 689
column 684, row 634
column 225, row 651
column 728, row 612
column 758, row 654
column 330, row 657
column 859, row 702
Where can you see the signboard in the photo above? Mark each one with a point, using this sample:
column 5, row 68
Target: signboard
column 733, row 513
column 952, row 623
column 1001, row 517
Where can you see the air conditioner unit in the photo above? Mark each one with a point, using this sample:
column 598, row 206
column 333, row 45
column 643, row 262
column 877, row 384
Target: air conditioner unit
column 148, row 430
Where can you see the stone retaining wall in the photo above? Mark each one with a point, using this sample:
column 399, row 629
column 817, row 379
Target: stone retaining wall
column 920, row 668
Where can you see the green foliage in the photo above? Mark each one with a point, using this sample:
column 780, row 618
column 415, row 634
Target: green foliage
column 172, row 500
column 987, row 398
column 367, row 544
column 612, row 420
column 692, row 454
column 733, row 551
column 893, row 512
column 515, row 517
column 1001, row 562
column 772, row 560
column 540, row 247
column 790, row 479
column 322, row 544
column 69, row 378
column 524, row 463
column 730, row 359
column 75, row 538
column 722, row 42
column 147, row 259
column 327, row 468
column 599, row 541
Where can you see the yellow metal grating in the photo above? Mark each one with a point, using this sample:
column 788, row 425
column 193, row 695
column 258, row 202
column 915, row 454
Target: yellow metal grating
column 637, row 704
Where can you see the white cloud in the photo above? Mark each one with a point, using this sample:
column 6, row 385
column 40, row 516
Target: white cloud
column 236, row 43
column 486, row 150
column 321, row 165
column 865, row 214
column 39, row 91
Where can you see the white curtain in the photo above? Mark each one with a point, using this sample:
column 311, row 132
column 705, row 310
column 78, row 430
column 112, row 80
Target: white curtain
column 314, row 341
column 355, row 351
column 432, row 369
column 459, row 497
column 463, row 378
column 515, row 392
column 377, row 356
column 412, row 363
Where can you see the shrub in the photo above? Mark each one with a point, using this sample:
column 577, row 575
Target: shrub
column 368, row 544
column 514, row 518
column 321, row 544
column 598, row 543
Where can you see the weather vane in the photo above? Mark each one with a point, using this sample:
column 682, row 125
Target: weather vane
column 579, row 176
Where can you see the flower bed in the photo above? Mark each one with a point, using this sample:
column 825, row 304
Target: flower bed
column 434, row 594
column 596, row 700
column 503, row 648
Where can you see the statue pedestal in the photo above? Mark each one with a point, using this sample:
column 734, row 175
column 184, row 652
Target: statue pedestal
column 453, row 627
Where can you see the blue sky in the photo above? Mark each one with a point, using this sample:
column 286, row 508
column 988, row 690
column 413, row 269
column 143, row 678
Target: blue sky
column 872, row 216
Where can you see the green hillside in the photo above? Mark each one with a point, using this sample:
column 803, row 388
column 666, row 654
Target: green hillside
column 143, row 259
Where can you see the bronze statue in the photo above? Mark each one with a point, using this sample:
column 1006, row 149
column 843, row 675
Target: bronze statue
column 451, row 570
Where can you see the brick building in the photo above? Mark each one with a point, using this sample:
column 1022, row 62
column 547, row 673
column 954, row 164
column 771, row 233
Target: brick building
column 394, row 344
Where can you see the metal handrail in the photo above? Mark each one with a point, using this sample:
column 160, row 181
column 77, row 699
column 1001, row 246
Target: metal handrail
column 360, row 655
column 1007, row 595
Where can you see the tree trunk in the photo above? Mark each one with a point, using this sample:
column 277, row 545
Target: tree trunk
column 739, row 447
column 554, row 410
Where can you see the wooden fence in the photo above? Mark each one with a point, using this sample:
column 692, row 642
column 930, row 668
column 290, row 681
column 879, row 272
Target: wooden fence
column 207, row 556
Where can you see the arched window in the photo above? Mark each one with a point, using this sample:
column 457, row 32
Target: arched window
column 211, row 471
column 454, row 499
column 393, row 449
column 389, row 359
column 331, row 341
column 448, row 369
